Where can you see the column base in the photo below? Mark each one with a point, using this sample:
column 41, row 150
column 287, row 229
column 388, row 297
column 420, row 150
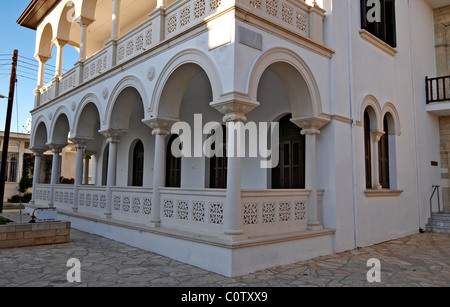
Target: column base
column 155, row 223
column 315, row 227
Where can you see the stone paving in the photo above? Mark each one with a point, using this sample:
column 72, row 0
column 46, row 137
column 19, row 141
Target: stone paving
column 421, row 260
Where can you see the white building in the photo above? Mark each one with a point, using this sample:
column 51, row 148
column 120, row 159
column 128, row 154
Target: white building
column 358, row 147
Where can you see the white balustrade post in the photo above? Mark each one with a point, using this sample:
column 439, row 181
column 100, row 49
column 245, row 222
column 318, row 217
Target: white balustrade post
column 80, row 147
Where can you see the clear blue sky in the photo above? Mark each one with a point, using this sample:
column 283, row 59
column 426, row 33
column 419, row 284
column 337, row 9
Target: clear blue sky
column 23, row 39
column 13, row 37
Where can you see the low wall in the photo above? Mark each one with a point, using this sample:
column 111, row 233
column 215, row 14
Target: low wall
column 28, row 234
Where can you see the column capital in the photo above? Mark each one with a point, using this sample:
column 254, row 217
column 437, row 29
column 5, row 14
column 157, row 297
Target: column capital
column 376, row 135
column 60, row 42
column 42, row 58
column 113, row 135
column 234, row 106
column 160, row 125
column 83, row 21
column 80, row 142
column 38, row 151
column 56, row 148
column 311, row 125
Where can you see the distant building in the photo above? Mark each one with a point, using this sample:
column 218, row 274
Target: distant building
column 18, row 150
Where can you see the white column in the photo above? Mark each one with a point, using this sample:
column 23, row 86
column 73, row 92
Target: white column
column 59, row 56
column 78, row 173
column 115, row 22
column 310, row 129
column 84, row 23
column 161, row 128
column 234, row 108
column 232, row 220
column 56, row 150
column 87, row 158
column 159, row 173
column 311, row 176
column 374, row 140
column 112, row 172
column 42, row 60
column 36, row 173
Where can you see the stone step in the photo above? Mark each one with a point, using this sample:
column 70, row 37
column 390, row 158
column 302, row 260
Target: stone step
column 441, row 216
column 438, row 229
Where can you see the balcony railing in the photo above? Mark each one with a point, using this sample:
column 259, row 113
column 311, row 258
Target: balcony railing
column 177, row 19
column 437, row 89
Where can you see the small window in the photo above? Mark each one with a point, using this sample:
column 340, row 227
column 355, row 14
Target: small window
column 384, row 26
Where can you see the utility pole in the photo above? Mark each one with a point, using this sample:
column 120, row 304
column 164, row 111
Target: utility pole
column 12, row 84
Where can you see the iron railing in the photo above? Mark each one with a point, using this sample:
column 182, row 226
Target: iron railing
column 435, row 189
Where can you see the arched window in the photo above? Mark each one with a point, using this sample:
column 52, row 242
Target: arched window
column 138, row 165
column 173, row 166
column 367, row 150
column 383, row 156
column 218, row 165
column 290, row 172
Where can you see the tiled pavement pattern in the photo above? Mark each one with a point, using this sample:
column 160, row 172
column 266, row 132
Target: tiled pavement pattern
column 419, row 260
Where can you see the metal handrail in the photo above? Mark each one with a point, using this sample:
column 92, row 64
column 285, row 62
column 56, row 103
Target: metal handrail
column 435, row 188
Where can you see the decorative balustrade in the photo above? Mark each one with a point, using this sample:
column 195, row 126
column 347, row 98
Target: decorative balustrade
column 132, row 204
column 293, row 15
column 275, row 211
column 63, row 197
column 96, row 65
column 264, row 212
column 135, row 42
column 92, row 200
column 42, row 197
column 68, row 81
column 180, row 17
column 191, row 209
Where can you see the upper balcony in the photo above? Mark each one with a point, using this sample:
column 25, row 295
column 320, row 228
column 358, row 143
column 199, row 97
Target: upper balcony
column 109, row 33
column 438, row 95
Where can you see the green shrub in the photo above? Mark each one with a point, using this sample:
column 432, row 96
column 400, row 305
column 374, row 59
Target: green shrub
column 26, row 198
column 4, row 221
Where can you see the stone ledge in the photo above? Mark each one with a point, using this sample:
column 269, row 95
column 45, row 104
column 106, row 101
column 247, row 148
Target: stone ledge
column 21, row 235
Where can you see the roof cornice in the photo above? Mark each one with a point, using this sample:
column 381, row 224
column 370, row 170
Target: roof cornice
column 35, row 12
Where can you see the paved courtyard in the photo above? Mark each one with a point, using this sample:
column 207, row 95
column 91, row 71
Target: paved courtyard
column 420, row 260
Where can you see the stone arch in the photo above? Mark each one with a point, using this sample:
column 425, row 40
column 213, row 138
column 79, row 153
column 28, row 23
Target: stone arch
column 175, row 78
column 371, row 104
column 39, row 135
column 296, row 76
column 118, row 110
column 45, row 43
column 60, row 127
column 92, row 101
column 393, row 118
